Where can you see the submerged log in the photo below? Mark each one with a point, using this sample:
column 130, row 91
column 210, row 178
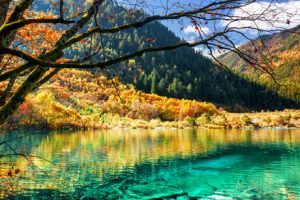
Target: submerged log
column 171, row 196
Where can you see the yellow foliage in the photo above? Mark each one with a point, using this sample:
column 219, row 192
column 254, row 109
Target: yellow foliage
column 78, row 99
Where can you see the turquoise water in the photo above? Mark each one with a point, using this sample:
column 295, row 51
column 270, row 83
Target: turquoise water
column 152, row 164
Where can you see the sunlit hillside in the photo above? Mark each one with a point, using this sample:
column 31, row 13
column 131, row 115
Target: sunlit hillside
column 285, row 50
column 80, row 99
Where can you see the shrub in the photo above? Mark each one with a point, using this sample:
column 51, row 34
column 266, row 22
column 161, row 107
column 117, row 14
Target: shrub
column 191, row 121
column 245, row 120
column 219, row 120
column 203, row 119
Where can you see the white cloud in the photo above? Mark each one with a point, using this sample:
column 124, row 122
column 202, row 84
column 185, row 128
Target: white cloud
column 278, row 15
column 191, row 30
column 191, row 39
column 206, row 52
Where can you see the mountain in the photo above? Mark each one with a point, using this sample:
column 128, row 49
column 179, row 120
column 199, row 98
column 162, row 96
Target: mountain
column 182, row 73
column 285, row 50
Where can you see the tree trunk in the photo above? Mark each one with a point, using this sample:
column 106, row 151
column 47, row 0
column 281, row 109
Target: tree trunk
column 19, row 96
column 4, row 6
column 3, row 10
column 6, row 93
column 35, row 78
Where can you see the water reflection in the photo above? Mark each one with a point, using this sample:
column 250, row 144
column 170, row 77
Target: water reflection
column 153, row 162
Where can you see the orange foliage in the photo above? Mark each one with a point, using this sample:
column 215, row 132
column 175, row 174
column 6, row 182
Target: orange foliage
column 124, row 100
column 78, row 98
column 38, row 37
column 24, row 108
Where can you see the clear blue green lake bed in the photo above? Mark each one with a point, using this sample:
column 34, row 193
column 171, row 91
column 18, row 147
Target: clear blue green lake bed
column 152, row 164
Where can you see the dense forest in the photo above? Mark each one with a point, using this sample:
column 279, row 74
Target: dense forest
column 182, row 73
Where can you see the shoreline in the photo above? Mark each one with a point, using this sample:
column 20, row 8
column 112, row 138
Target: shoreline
column 287, row 119
column 142, row 127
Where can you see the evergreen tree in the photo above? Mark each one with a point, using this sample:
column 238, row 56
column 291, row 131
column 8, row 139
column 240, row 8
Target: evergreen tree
column 161, row 86
column 189, row 89
column 153, row 84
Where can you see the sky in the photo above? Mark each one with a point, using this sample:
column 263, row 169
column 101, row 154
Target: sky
column 280, row 14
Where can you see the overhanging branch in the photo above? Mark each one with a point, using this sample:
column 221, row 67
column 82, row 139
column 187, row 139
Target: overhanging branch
column 104, row 64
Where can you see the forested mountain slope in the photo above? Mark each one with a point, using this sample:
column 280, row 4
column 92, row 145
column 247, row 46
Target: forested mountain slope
column 182, row 73
column 285, row 50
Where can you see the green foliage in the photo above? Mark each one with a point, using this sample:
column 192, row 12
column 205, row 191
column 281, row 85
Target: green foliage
column 219, row 120
column 191, row 121
column 203, row 119
column 153, row 84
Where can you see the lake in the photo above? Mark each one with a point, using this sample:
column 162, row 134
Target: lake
column 152, row 164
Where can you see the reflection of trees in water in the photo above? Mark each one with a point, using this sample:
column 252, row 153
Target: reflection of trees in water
column 16, row 160
column 91, row 158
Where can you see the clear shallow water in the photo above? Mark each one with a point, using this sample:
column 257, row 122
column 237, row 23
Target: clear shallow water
column 147, row 164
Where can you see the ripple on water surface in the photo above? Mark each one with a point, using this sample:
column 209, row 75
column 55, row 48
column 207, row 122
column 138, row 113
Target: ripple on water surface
column 145, row 164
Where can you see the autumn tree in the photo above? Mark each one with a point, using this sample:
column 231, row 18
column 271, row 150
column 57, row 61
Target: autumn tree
column 39, row 38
